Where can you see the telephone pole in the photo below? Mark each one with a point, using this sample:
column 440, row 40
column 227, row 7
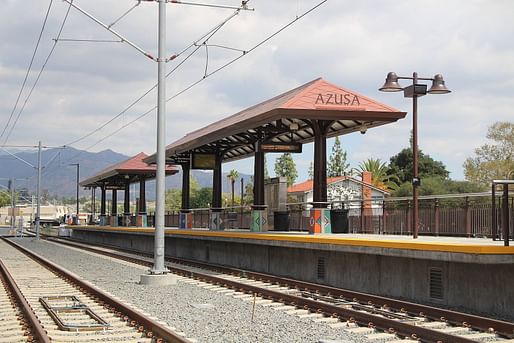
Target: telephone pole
column 38, row 192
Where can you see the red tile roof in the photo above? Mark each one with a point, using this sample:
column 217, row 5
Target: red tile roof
column 317, row 99
column 131, row 166
column 309, row 185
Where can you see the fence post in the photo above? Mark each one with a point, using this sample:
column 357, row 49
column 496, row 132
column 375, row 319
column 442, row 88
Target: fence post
column 436, row 216
column 384, row 217
column 494, row 218
column 505, row 214
column 409, row 216
column 362, row 216
column 467, row 217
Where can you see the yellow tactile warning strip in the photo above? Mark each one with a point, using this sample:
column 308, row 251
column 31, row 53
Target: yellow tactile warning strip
column 315, row 239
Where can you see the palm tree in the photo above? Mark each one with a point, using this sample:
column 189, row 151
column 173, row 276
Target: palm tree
column 233, row 175
column 379, row 176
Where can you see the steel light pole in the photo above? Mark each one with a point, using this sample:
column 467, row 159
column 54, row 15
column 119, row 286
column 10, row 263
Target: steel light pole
column 414, row 91
column 78, row 177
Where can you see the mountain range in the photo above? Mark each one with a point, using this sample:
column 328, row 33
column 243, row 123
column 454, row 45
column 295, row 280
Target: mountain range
column 59, row 175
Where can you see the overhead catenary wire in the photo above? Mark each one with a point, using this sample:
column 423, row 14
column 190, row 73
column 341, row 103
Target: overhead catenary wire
column 204, row 38
column 38, row 76
column 244, row 53
column 108, row 28
column 125, row 14
column 88, row 40
column 28, row 69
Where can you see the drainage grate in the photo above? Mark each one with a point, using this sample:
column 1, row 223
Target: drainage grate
column 436, row 283
column 321, row 268
column 72, row 315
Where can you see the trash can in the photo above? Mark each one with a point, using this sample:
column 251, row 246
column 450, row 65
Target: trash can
column 339, row 220
column 281, row 220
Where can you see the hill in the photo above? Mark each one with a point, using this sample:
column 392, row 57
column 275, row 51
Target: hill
column 59, row 177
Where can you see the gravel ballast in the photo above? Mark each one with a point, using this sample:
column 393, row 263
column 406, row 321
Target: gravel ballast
column 202, row 314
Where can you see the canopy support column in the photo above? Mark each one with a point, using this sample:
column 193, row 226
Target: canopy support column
column 114, row 208
column 126, row 204
column 216, row 207
column 259, row 214
column 320, row 215
column 186, row 217
column 141, row 220
column 103, row 220
column 93, row 206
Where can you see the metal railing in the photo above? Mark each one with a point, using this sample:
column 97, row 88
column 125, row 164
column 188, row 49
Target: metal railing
column 467, row 215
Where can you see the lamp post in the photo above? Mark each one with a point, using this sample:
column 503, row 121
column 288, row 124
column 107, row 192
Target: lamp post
column 78, row 176
column 414, row 91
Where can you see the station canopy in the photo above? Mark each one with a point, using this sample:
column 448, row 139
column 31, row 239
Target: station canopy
column 284, row 119
column 131, row 170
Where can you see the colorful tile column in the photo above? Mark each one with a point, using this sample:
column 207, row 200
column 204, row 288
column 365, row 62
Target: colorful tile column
column 320, row 221
column 185, row 220
column 141, row 220
column 215, row 221
column 259, row 221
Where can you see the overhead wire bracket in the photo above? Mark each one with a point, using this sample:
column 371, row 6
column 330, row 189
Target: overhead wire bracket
column 108, row 28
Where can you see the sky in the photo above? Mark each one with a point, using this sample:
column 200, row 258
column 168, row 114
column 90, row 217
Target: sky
column 353, row 44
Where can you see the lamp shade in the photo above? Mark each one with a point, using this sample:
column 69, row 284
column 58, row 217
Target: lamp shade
column 391, row 84
column 438, row 86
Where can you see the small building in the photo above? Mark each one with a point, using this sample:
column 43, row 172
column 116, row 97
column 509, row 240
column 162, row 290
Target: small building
column 344, row 192
column 24, row 214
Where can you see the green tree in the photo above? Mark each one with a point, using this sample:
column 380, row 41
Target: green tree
column 5, row 199
column 311, row 171
column 173, row 199
column 379, row 174
column 201, row 198
column 337, row 164
column 401, row 165
column 233, row 175
column 437, row 185
column 493, row 161
column 248, row 196
column 285, row 166
column 173, row 196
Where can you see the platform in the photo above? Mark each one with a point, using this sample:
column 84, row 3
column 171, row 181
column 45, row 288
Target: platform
column 471, row 274
column 459, row 249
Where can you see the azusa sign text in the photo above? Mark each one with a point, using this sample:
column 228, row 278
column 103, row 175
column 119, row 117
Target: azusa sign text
column 346, row 99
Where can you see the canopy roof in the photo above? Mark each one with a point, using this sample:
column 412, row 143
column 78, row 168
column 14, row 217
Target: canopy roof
column 271, row 120
column 133, row 169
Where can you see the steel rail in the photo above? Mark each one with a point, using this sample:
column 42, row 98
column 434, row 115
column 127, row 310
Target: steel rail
column 37, row 329
column 453, row 317
column 157, row 329
column 502, row 328
column 364, row 319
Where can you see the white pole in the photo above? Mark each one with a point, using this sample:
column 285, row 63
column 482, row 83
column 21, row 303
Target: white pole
column 38, row 192
column 11, row 186
column 158, row 267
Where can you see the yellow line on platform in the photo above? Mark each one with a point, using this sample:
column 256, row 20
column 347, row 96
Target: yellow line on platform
column 314, row 239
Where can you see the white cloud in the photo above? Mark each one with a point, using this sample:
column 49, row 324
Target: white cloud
column 352, row 44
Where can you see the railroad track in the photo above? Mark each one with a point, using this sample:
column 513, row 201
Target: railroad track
column 45, row 303
column 378, row 318
column 15, row 324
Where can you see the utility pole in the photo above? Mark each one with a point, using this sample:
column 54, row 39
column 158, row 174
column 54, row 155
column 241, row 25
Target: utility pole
column 78, row 178
column 11, row 187
column 38, row 192
column 158, row 267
